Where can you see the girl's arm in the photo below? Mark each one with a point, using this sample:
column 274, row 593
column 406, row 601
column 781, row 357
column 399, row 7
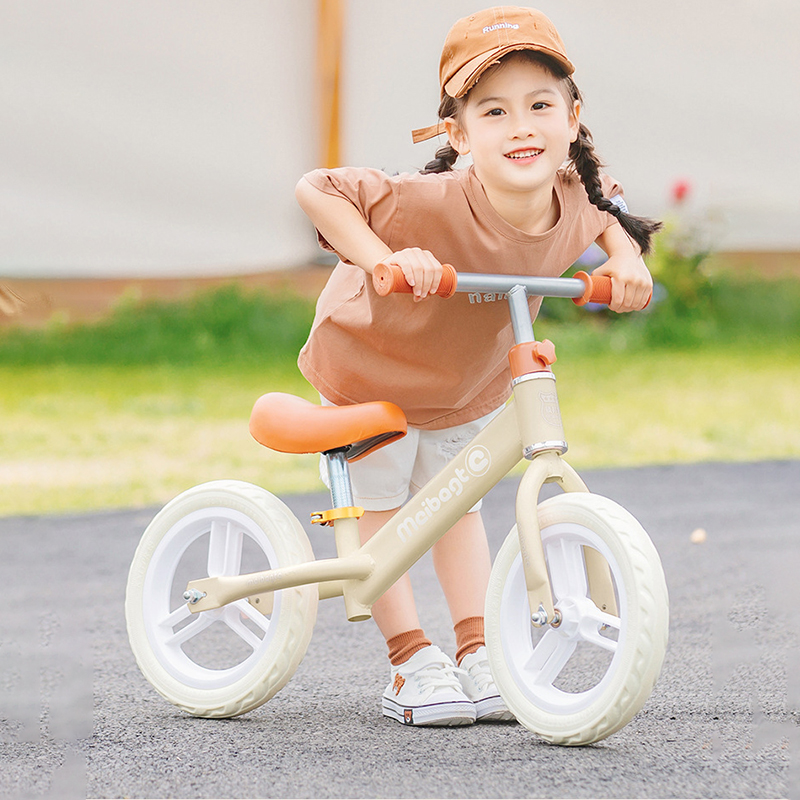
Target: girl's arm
column 631, row 283
column 343, row 227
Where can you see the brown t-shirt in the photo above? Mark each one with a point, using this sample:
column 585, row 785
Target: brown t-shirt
column 444, row 362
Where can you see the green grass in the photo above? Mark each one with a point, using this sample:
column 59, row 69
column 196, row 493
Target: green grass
column 91, row 437
column 680, row 407
column 157, row 398
column 77, row 438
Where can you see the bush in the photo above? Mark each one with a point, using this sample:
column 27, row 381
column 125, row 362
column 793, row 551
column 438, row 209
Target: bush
column 225, row 325
column 681, row 311
column 231, row 326
column 690, row 306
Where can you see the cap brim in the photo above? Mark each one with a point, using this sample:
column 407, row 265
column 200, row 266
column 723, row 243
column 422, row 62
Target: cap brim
column 466, row 77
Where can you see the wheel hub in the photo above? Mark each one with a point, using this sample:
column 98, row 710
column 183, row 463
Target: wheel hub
column 575, row 613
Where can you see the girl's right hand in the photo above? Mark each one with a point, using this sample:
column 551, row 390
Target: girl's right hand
column 421, row 269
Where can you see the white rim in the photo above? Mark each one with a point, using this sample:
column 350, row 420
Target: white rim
column 227, row 531
column 539, row 661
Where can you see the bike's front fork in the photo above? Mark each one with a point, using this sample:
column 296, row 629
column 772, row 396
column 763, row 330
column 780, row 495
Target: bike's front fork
column 549, row 467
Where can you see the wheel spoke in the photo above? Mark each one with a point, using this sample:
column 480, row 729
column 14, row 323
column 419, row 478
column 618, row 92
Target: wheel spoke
column 181, row 613
column 590, row 629
column 609, row 620
column 192, row 629
column 232, row 620
column 224, row 549
column 549, row 657
column 567, row 568
column 253, row 614
column 594, row 637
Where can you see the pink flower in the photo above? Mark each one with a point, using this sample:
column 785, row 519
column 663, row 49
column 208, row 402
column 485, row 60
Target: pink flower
column 680, row 190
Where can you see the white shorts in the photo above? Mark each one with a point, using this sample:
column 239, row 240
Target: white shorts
column 387, row 477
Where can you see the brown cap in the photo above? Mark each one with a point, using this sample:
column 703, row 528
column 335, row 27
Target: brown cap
column 476, row 42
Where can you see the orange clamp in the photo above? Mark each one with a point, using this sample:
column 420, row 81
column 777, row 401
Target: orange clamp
column 531, row 357
column 331, row 515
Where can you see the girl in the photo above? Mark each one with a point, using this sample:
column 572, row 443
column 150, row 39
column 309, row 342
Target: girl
column 507, row 99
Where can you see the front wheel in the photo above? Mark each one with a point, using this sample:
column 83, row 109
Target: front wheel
column 225, row 661
column 585, row 679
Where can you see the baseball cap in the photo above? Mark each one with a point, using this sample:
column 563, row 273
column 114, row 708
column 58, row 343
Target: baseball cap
column 476, row 42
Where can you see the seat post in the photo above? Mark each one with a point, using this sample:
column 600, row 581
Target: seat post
column 339, row 477
column 345, row 529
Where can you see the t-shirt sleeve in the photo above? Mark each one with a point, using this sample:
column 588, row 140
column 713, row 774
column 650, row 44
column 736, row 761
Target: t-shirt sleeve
column 372, row 192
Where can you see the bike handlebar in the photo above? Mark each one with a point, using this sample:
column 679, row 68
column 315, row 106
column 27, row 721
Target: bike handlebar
column 583, row 288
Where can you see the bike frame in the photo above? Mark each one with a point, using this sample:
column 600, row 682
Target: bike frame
column 528, row 427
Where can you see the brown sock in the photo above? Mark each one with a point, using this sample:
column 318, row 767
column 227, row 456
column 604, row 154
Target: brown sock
column 404, row 645
column 469, row 636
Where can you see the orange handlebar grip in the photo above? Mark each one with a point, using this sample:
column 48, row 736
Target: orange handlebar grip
column 388, row 279
column 598, row 289
column 448, row 283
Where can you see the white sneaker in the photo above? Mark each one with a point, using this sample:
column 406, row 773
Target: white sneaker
column 478, row 685
column 426, row 690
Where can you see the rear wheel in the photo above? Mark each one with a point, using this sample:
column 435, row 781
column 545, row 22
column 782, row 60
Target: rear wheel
column 226, row 661
column 585, row 679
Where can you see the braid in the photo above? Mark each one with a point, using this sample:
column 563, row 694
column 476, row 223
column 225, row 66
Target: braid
column 447, row 155
column 587, row 164
column 442, row 162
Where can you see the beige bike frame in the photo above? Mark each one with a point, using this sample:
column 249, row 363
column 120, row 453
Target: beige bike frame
column 529, row 426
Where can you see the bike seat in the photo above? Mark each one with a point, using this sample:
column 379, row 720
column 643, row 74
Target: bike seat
column 290, row 424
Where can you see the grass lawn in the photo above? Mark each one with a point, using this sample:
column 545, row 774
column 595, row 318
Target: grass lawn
column 86, row 437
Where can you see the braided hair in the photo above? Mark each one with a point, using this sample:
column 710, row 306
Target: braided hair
column 446, row 156
column 443, row 160
column 583, row 158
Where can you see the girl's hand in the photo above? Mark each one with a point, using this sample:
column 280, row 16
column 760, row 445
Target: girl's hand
column 421, row 269
column 631, row 282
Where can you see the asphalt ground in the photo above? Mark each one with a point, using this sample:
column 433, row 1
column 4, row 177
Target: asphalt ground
column 78, row 720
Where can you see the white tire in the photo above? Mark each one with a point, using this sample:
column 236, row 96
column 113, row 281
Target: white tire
column 227, row 661
column 585, row 679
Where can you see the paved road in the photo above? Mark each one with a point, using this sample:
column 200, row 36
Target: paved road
column 78, row 720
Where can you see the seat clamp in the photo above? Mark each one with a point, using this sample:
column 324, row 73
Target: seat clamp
column 331, row 515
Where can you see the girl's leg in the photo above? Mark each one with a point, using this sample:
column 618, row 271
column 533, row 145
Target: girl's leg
column 463, row 564
column 395, row 612
column 424, row 688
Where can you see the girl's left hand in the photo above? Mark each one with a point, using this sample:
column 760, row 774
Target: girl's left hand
column 631, row 282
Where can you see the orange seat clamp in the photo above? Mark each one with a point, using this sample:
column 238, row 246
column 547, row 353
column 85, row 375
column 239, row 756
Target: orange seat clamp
column 328, row 517
column 531, row 357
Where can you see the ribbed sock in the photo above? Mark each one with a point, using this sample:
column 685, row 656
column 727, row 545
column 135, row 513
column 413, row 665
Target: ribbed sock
column 469, row 636
column 404, row 645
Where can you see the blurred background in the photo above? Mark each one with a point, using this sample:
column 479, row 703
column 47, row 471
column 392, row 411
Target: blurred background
column 157, row 276
column 157, row 138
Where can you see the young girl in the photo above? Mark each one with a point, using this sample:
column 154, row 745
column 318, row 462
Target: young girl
column 507, row 99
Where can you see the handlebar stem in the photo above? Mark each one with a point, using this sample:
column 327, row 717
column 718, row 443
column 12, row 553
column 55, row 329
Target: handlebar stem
column 520, row 314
